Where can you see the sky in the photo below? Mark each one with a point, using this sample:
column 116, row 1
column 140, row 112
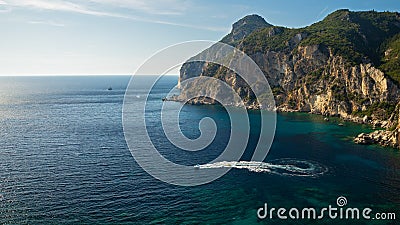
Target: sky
column 107, row 37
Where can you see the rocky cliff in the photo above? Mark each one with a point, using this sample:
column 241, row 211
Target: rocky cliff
column 240, row 30
column 346, row 65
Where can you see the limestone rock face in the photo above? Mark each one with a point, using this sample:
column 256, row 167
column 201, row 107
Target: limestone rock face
column 308, row 75
column 390, row 137
column 313, row 80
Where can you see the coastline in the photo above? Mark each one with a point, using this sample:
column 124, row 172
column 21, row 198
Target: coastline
column 384, row 134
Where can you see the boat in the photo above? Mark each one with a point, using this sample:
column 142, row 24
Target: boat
column 341, row 124
column 197, row 166
column 109, row 89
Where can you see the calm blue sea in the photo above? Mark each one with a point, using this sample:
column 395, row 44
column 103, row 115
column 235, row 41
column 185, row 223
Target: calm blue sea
column 64, row 160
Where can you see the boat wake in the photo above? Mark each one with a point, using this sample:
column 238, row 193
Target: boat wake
column 282, row 167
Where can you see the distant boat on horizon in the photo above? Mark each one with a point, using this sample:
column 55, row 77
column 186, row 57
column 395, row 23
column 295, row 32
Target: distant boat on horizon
column 109, row 88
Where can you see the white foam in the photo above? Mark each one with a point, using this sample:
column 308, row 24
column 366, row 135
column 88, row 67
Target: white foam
column 284, row 167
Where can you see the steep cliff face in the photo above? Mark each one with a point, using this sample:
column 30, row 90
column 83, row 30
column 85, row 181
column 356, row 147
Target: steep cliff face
column 337, row 67
column 240, row 30
column 314, row 80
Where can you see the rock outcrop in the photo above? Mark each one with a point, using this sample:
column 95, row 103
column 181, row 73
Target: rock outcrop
column 322, row 69
column 389, row 137
column 241, row 29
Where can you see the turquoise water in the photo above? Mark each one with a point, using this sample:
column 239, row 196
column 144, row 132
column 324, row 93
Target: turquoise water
column 64, row 160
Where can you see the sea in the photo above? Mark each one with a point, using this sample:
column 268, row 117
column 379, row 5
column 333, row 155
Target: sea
column 64, row 160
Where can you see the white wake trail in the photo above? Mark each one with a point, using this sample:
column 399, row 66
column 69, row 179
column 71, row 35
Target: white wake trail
column 283, row 167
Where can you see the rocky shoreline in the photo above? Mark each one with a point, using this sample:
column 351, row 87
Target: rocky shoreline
column 381, row 137
column 384, row 137
column 388, row 136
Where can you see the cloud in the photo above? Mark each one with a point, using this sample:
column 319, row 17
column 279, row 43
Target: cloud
column 52, row 5
column 4, row 7
column 158, row 7
column 176, row 7
column 51, row 23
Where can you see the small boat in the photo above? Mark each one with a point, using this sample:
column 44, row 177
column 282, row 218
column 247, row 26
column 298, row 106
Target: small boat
column 341, row 124
column 109, row 89
column 197, row 166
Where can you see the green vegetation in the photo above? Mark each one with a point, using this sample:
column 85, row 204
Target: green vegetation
column 384, row 109
column 271, row 38
column 391, row 61
column 277, row 90
column 339, row 92
column 211, row 70
column 358, row 99
column 356, row 36
column 244, row 27
column 336, row 32
column 392, row 128
column 292, row 103
column 314, row 76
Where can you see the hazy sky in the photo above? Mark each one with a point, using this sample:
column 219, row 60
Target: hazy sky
column 70, row 37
